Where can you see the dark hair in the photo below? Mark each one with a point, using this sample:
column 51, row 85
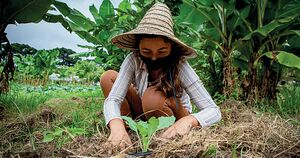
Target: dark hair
column 169, row 84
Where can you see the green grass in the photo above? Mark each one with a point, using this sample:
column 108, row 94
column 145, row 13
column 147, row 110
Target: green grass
column 29, row 97
column 287, row 103
column 77, row 110
column 288, row 100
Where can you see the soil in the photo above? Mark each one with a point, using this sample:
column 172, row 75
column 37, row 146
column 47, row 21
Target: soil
column 1, row 113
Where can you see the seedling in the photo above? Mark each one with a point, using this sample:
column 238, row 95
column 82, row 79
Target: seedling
column 146, row 130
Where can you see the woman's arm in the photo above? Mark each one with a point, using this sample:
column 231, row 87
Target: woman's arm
column 119, row 89
column 209, row 112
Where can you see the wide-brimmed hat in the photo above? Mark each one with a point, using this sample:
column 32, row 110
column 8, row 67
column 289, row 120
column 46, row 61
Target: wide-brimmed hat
column 157, row 21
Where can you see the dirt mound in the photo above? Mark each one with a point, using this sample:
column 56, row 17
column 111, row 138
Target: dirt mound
column 241, row 132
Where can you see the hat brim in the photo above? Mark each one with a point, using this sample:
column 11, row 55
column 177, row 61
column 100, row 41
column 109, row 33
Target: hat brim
column 128, row 40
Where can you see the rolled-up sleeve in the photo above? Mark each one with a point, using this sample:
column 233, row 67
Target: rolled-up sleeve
column 112, row 103
column 209, row 112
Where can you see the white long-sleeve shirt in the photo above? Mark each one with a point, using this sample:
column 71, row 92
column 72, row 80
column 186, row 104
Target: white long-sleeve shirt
column 134, row 71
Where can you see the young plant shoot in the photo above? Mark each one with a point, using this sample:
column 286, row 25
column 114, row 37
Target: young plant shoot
column 146, row 130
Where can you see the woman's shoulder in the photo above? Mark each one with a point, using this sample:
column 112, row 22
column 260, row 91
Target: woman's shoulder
column 132, row 59
column 184, row 66
column 186, row 72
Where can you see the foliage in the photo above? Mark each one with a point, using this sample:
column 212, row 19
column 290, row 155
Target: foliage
column 288, row 100
column 107, row 22
column 88, row 71
column 22, row 49
column 12, row 12
column 26, row 11
column 64, row 135
column 146, row 130
column 75, row 110
column 59, row 61
column 241, row 41
column 65, row 57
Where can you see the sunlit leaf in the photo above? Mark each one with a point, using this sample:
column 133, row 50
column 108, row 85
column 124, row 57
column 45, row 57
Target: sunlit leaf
column 165, row 122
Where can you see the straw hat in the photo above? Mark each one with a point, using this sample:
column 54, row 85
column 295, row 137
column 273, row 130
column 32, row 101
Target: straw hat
column 157, row 21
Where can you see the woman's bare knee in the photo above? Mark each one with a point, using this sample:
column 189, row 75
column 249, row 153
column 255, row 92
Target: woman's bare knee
column 108, row 76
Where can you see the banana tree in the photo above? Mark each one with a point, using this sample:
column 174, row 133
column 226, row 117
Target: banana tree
column 12, row 12
column 216, row 22
column 271, row 27
column 46, row 63
column 244, row 42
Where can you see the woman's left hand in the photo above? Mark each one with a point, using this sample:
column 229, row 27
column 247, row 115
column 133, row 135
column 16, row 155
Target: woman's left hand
column 181, row 127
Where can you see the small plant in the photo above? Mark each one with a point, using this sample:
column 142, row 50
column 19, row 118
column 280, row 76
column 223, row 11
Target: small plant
column 146, row 130
column 59, row 135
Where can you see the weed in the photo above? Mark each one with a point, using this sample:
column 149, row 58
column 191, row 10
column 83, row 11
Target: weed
column 288, row 100
column 211, row 151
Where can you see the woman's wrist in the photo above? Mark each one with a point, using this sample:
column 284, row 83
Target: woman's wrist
column 194, row 121
column 116, row 124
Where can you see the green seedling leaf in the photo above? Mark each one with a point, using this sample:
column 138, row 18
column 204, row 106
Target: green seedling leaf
column 132, row 125
column 142, row 128
column 152, row 127
column 146, row 130
column 48, row 137
column 57, row 132
column 165, row 122
column 76, row 131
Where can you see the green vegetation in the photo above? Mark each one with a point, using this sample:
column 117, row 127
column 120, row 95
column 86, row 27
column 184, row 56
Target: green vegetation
column 67, row 110
column 146, row 130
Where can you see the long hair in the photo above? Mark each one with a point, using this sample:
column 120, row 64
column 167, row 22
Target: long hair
column 169, row 83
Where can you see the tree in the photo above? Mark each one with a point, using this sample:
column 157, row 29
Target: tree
column 65, row 58
column 23, row 49
column 249, row 37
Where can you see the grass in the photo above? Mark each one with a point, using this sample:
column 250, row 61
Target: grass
column 28, row 97
column 74, row 110
column 287, row 103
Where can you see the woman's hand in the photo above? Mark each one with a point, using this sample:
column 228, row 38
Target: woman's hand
column 181, row 127
column 118, row 134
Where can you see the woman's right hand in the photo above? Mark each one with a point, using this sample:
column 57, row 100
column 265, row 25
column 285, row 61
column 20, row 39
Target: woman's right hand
column 118, row 134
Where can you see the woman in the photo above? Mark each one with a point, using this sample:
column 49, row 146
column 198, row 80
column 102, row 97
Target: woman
column 155, row 80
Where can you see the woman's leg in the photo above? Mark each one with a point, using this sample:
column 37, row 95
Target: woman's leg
column 155, row 103
column 132, row 102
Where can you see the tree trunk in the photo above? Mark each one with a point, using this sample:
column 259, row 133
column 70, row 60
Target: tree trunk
column 249, row 84
column 6, row 59
column 216, row 83
column 228, row 81
column 269, row 81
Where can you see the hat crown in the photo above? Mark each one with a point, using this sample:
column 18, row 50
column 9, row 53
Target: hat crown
column 158, row 19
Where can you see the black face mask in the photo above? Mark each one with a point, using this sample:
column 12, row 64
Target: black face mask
column 158, row 63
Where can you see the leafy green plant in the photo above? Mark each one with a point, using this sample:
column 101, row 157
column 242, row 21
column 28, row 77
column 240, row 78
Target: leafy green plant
column 146, row 130
column 62, row 135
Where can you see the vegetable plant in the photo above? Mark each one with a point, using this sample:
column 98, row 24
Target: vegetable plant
column 146, row 130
